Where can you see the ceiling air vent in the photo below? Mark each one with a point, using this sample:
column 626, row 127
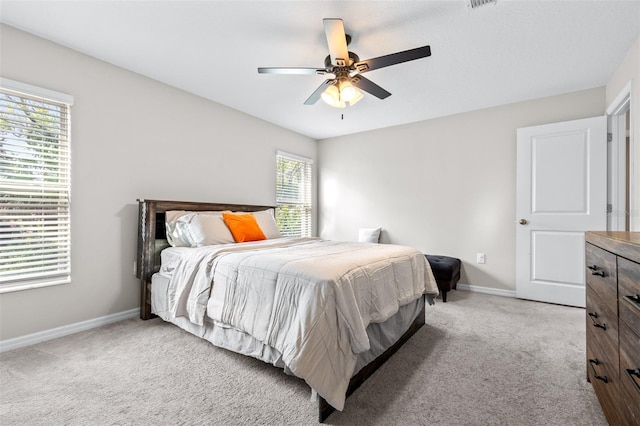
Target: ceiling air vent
column 474, row 4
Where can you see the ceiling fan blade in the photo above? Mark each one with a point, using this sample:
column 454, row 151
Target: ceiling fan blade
column 392, row 59
column 316, row 95
column 291, row 70
column 337, row 41
column 369, row 86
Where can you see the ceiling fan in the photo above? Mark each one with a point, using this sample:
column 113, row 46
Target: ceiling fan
column 346, row 67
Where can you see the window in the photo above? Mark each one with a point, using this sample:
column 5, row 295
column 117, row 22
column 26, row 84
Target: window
column 293, row 194
column 34, row 187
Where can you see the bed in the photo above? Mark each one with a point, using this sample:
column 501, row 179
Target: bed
column 328, row 312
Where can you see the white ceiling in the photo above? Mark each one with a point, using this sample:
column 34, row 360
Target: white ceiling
column 494, row 55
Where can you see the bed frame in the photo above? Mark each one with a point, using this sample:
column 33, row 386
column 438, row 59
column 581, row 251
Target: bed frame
column 152, row 240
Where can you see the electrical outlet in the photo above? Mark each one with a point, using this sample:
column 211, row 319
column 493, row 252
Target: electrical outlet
column 480, row 258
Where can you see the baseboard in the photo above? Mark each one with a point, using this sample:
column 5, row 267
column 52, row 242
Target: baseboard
column 54, row 333
column 486, row 290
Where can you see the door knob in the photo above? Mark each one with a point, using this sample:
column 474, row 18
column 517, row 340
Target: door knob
column 522, row 221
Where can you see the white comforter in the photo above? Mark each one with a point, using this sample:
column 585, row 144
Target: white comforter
column 310, row 299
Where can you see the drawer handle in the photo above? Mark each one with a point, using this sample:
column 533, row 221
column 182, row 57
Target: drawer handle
column 630, row 374
column 594, row 270
column 635, row 298
column 593, row 316
column 593, row 362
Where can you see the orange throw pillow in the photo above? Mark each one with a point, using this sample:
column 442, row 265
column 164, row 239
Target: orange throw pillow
column 243, row 227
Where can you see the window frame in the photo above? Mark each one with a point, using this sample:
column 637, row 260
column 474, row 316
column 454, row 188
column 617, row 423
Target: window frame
column 303, row 203
column 56, row 193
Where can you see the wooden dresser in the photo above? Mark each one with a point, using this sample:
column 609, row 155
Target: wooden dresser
column 613, row 323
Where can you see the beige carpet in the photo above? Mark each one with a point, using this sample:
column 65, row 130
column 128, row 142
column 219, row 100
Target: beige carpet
column 480, row 360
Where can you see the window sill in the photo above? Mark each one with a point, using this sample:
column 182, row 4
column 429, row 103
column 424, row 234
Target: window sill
column 10, row 288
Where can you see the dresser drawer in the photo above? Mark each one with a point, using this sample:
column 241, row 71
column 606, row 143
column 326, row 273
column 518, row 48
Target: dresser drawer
column 602, row 376
column 629, row 410
column 601, row 275
column 629, row 293
column 602, row 326
column 629, row 338
column 629, row 375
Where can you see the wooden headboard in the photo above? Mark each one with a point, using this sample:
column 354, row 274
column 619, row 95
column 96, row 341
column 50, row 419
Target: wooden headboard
column 152, row 237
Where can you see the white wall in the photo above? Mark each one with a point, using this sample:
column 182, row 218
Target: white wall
column 445, row 186
column 629, row 71
column 132, row 137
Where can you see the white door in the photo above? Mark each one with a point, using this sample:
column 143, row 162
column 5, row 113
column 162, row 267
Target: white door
column 561, row 191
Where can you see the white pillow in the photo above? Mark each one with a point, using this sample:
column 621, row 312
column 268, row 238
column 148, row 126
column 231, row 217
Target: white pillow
column 209, row 229
column 196, row 229
column 267, row 222
column 176, row 224
column 369, row 235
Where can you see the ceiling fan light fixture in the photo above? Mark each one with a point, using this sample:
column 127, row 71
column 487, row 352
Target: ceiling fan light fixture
column 356, row 98
column 332, row 96
column 341, row 94
column 347, row 91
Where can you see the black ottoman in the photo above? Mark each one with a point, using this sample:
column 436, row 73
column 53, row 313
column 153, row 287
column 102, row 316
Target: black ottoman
column 446, row 271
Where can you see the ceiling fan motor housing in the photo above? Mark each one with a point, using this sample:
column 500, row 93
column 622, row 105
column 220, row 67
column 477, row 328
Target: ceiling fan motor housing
column 353, row 58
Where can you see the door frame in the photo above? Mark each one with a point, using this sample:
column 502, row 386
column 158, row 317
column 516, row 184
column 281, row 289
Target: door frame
column 617, row 161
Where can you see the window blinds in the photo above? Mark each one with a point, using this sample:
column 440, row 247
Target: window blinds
column 293, row 194
column 34, row 191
